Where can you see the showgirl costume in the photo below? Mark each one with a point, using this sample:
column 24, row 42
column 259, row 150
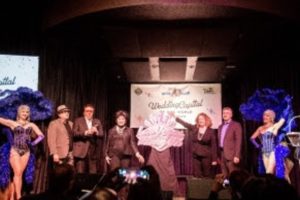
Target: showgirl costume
column 281, row 103
column 268, row 143
column 19, row 138
column 159, row 133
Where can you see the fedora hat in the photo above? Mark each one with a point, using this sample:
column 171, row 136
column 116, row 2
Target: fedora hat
column 62, row 108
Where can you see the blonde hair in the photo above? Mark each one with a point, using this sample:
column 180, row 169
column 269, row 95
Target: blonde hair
column 208, row 122
column 23, row 107
column 271, row 113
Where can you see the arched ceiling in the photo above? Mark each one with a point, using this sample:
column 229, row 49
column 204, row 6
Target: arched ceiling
column 125, row 34
column 220, row 33
column 58, row 11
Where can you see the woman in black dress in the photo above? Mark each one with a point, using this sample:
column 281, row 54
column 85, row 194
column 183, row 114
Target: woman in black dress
column 204, row 145
column 121, row 144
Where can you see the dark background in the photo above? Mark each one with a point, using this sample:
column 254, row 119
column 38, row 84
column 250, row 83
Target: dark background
column 90, row 52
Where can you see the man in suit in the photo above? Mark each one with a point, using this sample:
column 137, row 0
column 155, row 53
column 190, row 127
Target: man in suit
column 59, row 138
column 87, row 130
column 229, row 142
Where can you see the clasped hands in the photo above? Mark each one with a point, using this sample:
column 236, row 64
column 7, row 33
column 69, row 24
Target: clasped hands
column 91, row 131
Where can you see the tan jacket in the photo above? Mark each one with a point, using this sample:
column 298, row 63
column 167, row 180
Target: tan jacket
column 58, row 138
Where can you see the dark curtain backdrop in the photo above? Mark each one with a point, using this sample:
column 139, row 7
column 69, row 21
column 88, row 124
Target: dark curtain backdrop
column 74, row 74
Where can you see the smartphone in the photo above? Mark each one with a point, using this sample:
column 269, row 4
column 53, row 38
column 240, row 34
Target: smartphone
column 133, row 174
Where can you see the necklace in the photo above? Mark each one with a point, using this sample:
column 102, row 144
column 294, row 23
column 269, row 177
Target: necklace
column 120, row 130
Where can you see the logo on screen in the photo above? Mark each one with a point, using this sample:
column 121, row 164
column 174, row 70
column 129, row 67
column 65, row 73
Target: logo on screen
column 138, row 91
column 176, row 92
column 209, row 90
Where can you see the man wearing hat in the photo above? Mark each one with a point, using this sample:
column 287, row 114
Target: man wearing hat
column 59, row 137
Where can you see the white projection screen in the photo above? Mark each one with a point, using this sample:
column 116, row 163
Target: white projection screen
column 186, row 100
column 18, row 71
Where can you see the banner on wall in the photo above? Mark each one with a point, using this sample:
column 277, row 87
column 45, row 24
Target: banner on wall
column 18, row 71
column 185, row 100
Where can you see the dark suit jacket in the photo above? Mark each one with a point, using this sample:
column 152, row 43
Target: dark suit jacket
column 232, row 141
column 81, row 143
column 121, row 144
column 207, row 146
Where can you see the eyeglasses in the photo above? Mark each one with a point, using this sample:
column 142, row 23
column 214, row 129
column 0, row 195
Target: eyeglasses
column 89, row 111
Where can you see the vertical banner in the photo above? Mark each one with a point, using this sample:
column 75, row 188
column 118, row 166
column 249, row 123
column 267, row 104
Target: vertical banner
column 185, row 100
